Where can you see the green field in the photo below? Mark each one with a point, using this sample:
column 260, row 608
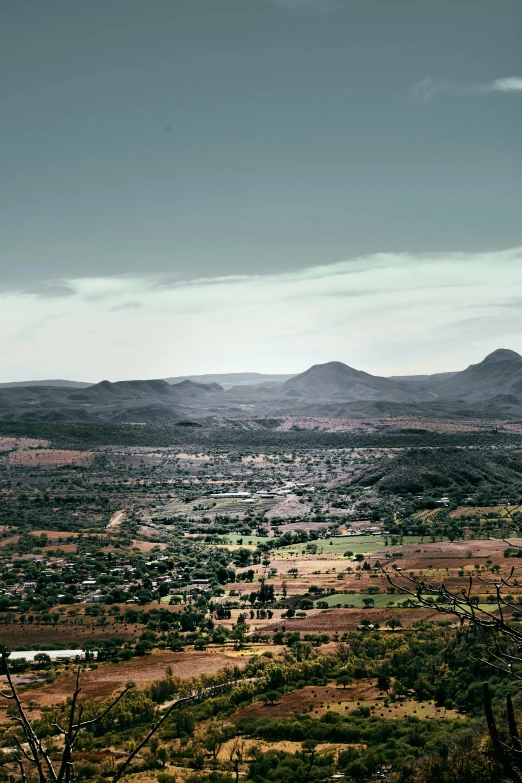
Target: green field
column 356, row 544
column 356, row 599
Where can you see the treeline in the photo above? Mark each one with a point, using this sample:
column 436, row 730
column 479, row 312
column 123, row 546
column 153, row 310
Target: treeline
column 432, row 663
column 82, row 435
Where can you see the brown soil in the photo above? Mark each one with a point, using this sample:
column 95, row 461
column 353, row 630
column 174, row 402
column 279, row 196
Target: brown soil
column 109, row 677
column 72, row 636
column 345, row 620
column 318, row 700
column 48, row 458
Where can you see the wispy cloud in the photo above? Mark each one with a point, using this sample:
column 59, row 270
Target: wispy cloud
column 48, row 288
column 428, row 88
column 510, row 84
column 126, row 306
column 353, row 310
column 320, row 7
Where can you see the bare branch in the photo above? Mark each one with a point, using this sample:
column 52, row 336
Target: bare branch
column 22, row 769
column 121, row 769
column 21, row 749
column 183, row 700
column 34, row 743
column 102, row 714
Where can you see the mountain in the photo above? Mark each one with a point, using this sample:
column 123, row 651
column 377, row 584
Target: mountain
column 229, row 379
column 192, row 390
column 491, row 389
column 336, row 380
column 61, row 383
column 136, row 401
column 105, row 390
column 499, row 374
column 133, row 390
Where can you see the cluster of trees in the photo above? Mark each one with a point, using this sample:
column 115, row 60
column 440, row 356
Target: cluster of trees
column 433, row 662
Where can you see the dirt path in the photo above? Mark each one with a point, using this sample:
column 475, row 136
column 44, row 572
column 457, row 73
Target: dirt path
column 116, row 520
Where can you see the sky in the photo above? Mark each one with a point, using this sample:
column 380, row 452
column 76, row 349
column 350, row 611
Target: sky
column 194, row 186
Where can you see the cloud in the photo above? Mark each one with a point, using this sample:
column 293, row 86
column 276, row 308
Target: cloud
column 126, row 306
column 389, row 313
column 425, row 89
column 510, row 84
column 428, row 88
column 321, row 7
column 49, row 289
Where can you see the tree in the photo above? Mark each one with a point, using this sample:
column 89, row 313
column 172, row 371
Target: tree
column 42, row 659
column 38, row 755
column 236, row 756
column 270, row 697
column 505, row 639
column 163, row 755
column 238, row 634
column 309, row 747
column 216, row 735
column 383, row 682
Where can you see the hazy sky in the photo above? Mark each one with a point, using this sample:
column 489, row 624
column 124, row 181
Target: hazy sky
column 204, row 185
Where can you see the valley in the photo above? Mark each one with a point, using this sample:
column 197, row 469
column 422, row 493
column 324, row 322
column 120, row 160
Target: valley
column 275, row 554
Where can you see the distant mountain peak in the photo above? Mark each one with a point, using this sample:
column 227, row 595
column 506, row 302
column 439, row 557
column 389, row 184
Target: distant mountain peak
column 333, row 366
column 501, row 354
column 133, row 388
column 336, row 380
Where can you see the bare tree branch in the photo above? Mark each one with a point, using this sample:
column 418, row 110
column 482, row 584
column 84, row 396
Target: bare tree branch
column 39, row 756
column 34, row 743
column 465, row 606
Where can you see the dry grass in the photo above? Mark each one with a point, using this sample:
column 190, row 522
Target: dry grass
column 49, row 458
column 284, row 745
column 147, row 546
column 363, row 693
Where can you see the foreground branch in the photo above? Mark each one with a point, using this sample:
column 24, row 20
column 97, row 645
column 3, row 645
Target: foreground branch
column 38, row 755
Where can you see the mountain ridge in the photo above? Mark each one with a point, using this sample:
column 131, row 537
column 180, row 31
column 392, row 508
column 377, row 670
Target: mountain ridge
column 491, row 389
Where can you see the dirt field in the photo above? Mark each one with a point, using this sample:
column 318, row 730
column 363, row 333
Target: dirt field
column 345, row 620
column 318, row 700
column 481, row 511
column 110, row 677
column 9, row 444
column 147, row 546
column 17, row 635
column 49, row 458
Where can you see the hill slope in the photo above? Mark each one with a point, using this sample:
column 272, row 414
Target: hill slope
column 137, row 401
column 498, row 374
column 336, row 380
column 440, row 470
column 491, row 389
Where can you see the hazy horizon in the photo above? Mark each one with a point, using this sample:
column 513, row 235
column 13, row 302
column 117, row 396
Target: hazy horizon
column 201, row 187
